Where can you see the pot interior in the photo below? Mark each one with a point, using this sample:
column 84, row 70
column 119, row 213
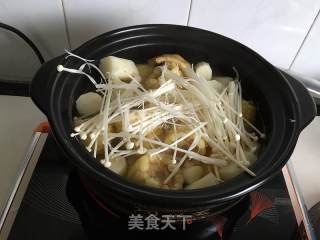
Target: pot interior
column 260, row 81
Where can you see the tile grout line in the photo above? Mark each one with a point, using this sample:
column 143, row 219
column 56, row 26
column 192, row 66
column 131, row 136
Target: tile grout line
column 66, row 24
column 304, row 40
column 189, row 13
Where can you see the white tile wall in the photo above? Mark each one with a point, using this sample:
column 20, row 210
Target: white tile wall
column 43, row 22
column 273, row 28
column 87, row 19
column 308, row 59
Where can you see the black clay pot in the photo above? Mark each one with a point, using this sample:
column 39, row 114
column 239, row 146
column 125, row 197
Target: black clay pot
column 284, row 105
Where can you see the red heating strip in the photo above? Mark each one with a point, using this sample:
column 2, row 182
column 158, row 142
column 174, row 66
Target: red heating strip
column 98, row 202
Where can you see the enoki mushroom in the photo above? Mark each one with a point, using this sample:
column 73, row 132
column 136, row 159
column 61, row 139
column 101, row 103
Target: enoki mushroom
column 183, row 102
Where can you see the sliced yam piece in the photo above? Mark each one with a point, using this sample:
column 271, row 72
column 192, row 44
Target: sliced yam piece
column 151, row 182
column 88, row 103
column 230, row 171
column 219, row 87
column 224, row 80
column 119, row 165
column 192, row 174
column 119, row 68
column 190, row 163
column 206, row 181
column 204, row 70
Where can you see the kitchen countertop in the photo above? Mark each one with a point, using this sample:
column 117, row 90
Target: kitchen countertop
column 19, row 116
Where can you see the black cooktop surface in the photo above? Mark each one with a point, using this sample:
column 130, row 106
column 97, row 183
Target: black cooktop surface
column 57, row 206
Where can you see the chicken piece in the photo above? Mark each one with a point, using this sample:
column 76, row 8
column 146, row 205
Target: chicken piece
column 134, row 118
column 172, row 60
column 175, row 69
column 100, row 141
column 157, row 133
column 173, row 136
column 153, row 171
column 152, row 81
column 144, row 70
column 249, row 112
column 175, row 63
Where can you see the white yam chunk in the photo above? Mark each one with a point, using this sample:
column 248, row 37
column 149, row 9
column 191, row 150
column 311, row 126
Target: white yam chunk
column 219, row 87
column 119, row 165
column 119, row 68
column 251, row 156
column 204, row 70
column 230, row 171
column 206, row 181
column 88, row 103
column 223, row 80
column 192, row 174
